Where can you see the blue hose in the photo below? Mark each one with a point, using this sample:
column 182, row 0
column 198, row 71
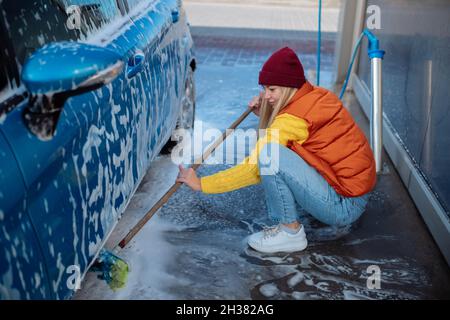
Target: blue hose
column 373, row 51
column 319, row 40
column 355, row 50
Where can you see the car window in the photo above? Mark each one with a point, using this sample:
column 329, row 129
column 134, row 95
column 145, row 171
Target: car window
column 32, row 24
column 9, row 77
column 133, row 3
column 3, row 76
column 126, row 6
column 8, row 81
column 93, row 14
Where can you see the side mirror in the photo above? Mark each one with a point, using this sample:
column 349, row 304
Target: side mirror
column 61, row 70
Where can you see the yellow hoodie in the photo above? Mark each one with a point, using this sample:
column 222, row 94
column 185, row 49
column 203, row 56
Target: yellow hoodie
column 284, row 128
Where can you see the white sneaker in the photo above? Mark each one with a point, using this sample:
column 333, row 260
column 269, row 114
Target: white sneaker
column 275, row 239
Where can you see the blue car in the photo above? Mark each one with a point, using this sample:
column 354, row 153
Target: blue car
column 90, row 92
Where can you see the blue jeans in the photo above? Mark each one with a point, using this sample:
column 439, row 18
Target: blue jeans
column 287, row 179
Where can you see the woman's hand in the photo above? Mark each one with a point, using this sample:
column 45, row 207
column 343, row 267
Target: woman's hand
column 189, row 177
column 255, row 103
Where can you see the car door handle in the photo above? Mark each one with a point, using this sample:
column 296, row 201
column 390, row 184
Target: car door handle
column 175, row 16
column 135, row 64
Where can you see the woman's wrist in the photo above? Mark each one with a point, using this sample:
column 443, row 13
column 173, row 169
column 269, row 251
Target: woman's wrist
column 199, row 184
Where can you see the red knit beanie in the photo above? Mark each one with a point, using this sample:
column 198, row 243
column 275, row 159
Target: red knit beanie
column 283, row 69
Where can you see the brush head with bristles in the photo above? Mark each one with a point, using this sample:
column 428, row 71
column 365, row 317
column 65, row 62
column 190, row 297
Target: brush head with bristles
column 113, row 269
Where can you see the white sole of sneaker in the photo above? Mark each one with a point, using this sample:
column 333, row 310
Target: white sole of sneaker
column 274, row 249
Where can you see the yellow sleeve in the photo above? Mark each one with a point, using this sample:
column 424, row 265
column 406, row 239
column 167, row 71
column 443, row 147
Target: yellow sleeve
column 284, row 128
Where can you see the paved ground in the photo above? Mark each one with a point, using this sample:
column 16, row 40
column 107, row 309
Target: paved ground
column 295, row 3
column 195, row 247
column 262, row 15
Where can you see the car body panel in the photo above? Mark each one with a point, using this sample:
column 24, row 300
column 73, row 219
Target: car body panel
column 23, row 273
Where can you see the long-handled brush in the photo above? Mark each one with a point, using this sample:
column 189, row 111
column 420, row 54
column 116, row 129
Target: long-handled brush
column 114, row 269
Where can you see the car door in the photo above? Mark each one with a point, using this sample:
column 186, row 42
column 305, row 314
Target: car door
column 166, row 49
column 22, row 268
column 80, row 180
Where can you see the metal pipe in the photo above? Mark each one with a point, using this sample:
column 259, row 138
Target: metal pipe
column 376, row 123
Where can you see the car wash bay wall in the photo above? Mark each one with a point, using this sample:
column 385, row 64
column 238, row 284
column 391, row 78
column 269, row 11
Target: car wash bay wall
column 416, row 102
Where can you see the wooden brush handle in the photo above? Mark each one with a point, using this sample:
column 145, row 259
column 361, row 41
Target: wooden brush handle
column 176, row 185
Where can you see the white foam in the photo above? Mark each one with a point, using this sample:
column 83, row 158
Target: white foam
column 269, row 290
column 296, row 279
column 350, row 295
column 148, row 256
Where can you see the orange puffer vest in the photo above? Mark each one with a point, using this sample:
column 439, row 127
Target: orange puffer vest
column 336, row 147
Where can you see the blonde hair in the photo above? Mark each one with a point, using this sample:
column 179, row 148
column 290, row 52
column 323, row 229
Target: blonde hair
column 268, row 114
